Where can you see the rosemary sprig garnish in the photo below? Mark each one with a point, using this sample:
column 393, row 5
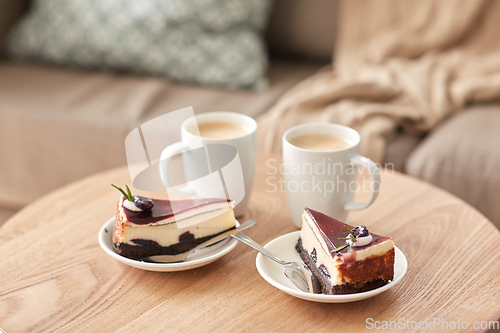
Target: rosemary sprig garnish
column 127, row 195
column 350, row 231
column 351, row 237
column 340, row 248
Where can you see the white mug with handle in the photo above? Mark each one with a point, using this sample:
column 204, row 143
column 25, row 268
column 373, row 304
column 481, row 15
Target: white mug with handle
column 323, row 179
column 213, row 168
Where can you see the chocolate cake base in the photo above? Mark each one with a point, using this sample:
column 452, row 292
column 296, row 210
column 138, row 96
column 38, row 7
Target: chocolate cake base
column 147, row 248
column 326, row 286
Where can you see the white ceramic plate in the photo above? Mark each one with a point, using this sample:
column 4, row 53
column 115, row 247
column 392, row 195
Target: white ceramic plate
column 284, row 248
column 197, row 259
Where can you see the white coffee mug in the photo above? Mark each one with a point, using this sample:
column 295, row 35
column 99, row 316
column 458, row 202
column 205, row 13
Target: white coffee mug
column 323, row 180
column 211, row 167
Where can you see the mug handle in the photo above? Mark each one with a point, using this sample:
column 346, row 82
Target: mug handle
column 375, row 184
column 166, row 154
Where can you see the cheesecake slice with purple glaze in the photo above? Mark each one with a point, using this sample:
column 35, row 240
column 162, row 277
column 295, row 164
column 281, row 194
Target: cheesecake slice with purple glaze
column 146, row 227
column 345, row 259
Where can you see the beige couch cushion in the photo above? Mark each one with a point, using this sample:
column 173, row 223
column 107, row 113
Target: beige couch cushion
column 463, row 157
column 398, row 149
column 59, row 125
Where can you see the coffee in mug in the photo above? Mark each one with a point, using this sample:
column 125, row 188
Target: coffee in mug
column 321, row 142
column 219, row 130
column 320, row 163
column 204, row 144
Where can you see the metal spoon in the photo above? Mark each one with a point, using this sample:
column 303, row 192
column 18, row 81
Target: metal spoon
column 296, row 272
column 167, row 258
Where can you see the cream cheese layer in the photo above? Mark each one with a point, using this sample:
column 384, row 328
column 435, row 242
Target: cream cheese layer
column 168, row 234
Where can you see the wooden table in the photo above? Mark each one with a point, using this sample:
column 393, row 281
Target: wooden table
column 55, row 277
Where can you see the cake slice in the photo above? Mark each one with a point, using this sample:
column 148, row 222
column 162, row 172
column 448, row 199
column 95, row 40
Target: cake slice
column 168, row 227
column 345, row 259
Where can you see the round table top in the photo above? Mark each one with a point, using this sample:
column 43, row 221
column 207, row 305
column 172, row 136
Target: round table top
column 56, row 277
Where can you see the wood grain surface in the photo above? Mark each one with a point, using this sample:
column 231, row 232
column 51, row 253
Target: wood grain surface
column 55, row 277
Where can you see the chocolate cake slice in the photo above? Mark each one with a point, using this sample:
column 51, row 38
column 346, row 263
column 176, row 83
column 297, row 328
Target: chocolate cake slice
column 168, row 227
column 345, row 259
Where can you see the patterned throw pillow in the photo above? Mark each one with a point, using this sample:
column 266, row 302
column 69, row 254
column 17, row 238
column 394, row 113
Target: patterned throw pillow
column 207, row 42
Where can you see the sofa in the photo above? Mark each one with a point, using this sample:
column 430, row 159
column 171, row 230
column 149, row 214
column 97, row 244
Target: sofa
column 58, row 125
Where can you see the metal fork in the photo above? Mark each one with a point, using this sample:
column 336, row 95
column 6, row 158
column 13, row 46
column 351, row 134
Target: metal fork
column 167, row 258
column 296, row 272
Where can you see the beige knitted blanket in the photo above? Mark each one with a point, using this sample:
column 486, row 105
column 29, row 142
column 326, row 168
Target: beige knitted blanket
column 398, row 64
